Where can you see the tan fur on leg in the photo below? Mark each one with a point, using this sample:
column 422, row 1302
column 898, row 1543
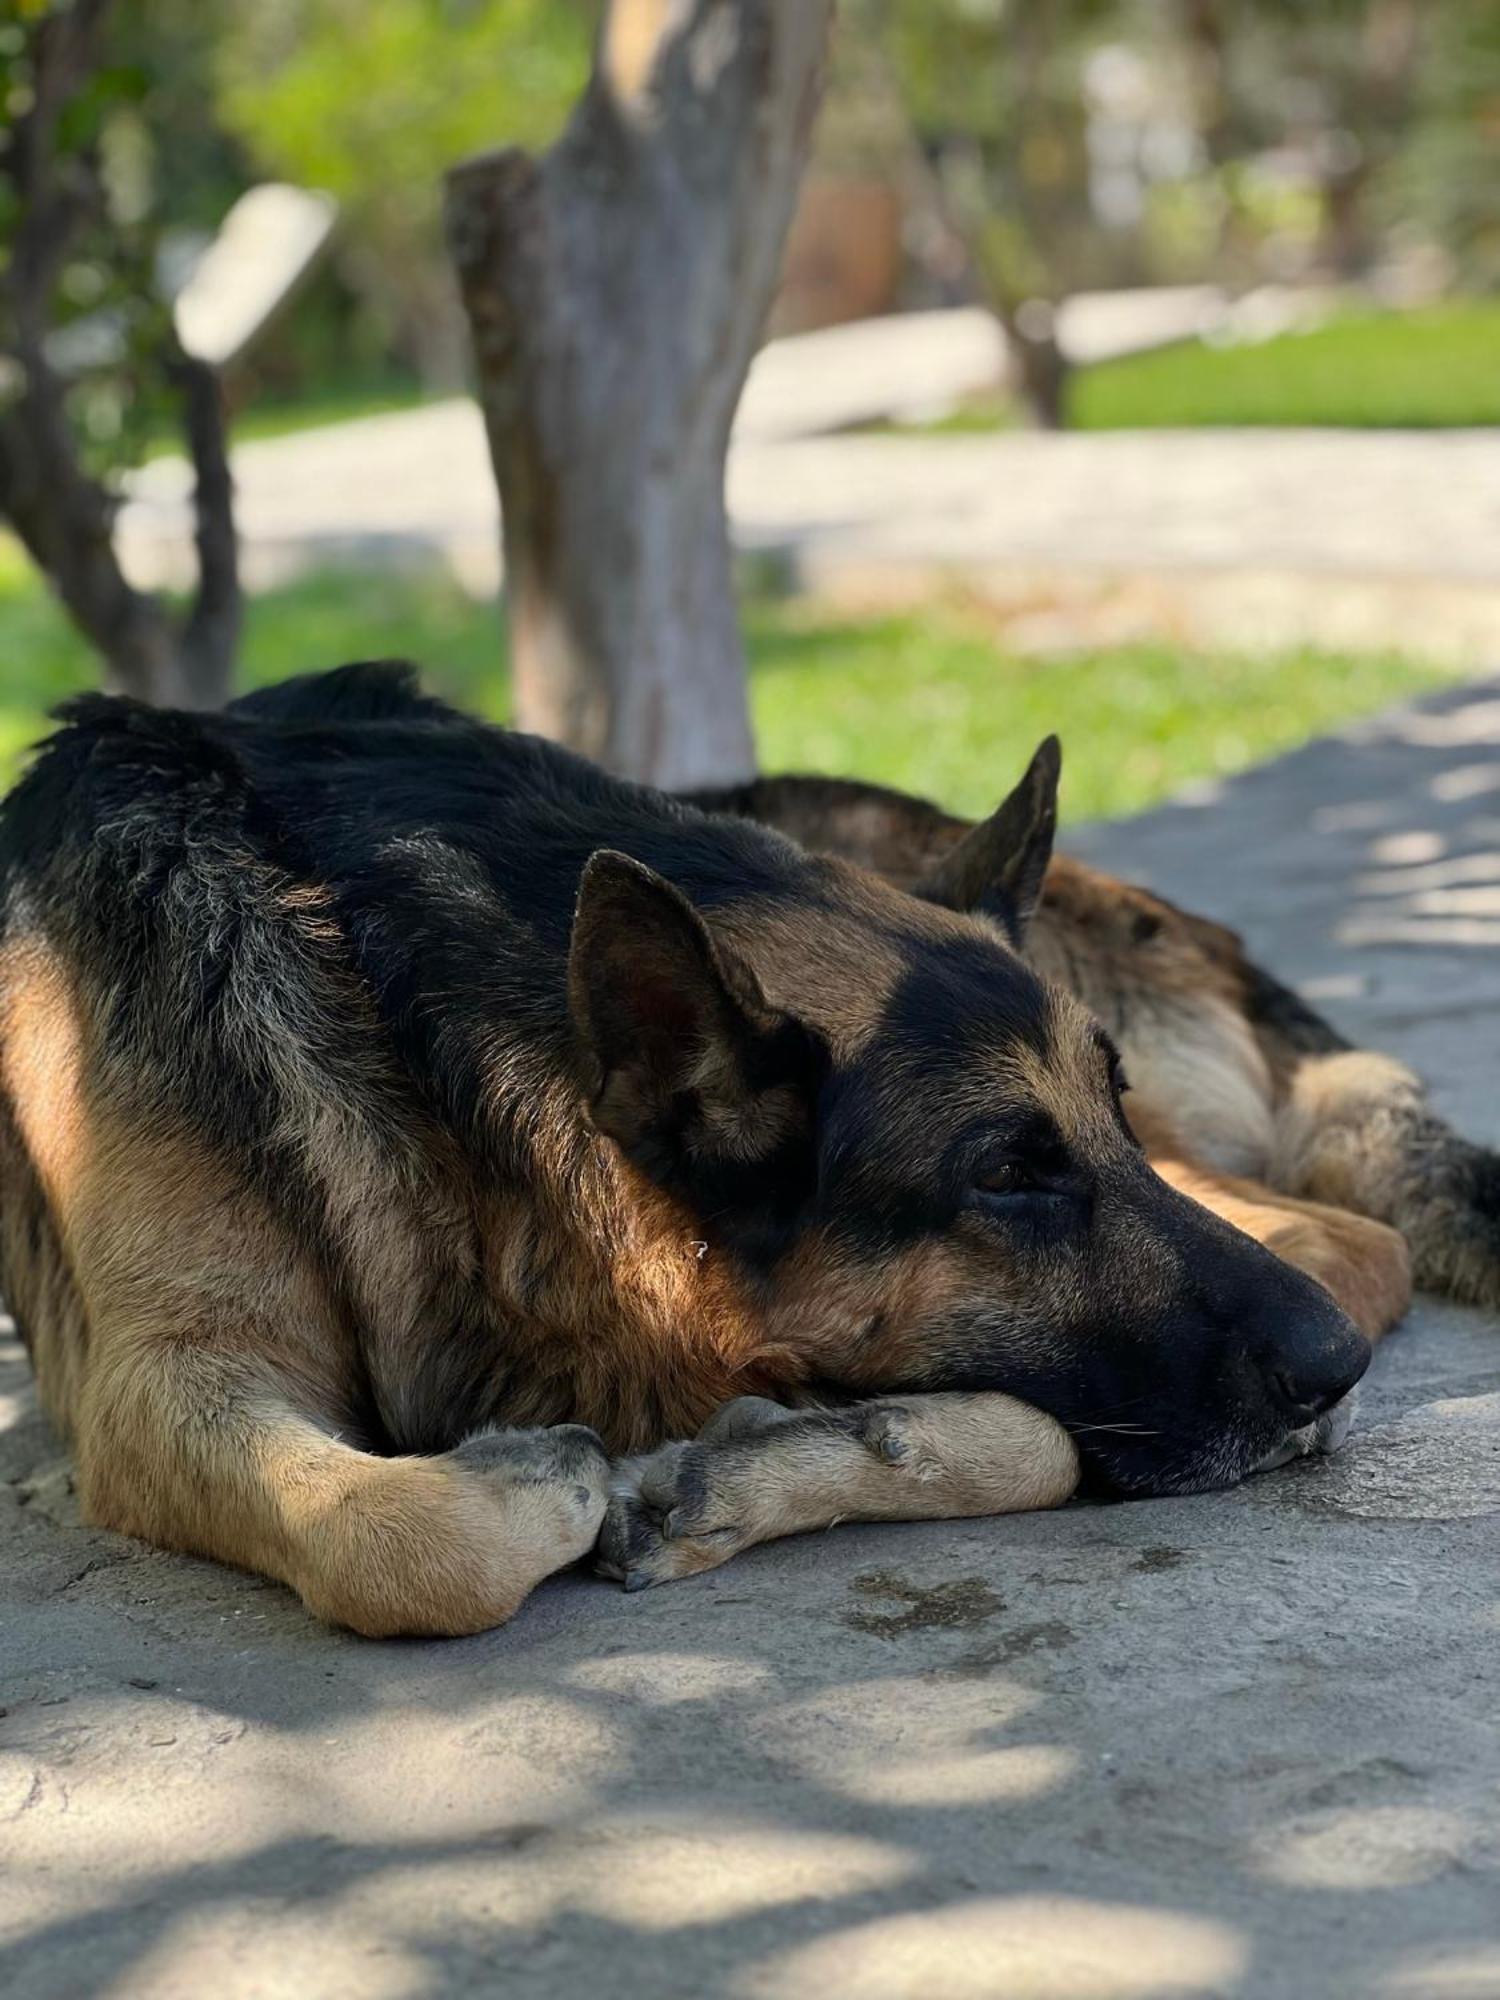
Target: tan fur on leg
column 217, row 1384
column 1356, row 1129
column 430, row 1547
column 759, row 1471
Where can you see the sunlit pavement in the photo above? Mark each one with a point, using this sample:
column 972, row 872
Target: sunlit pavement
column 1239, row 1745
column 1343, row 538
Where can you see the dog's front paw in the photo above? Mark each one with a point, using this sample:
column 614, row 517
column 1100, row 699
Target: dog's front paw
column 564, row 1472
column 668, row 1516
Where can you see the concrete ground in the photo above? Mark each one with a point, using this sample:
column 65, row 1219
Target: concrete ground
column 1239, row 1745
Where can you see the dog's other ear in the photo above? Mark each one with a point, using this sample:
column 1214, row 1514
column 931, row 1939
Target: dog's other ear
column 999, row 866
column 700, row 1081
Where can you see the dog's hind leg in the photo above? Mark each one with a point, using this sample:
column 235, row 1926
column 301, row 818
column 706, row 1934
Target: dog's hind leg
column 1355, row 1129
column 759, row 1470
column 218, row 1412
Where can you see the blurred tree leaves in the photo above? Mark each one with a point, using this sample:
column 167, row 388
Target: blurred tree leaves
column 129, row 173
column 1447, row 178
column 1072, row 144
column 373, row 102
column 1035, row 124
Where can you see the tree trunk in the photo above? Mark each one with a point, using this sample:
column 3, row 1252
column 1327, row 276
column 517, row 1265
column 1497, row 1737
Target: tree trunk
column 64, row 519
column 616, row 289
column 1041, row 371
column 63, row 515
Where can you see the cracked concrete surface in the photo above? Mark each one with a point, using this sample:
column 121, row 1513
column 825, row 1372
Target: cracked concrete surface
column 1237, row 1745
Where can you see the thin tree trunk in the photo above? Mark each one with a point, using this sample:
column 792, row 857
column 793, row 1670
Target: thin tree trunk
column 1042, row 371
column 62, row 514
column 616, row 289
column 210, row 636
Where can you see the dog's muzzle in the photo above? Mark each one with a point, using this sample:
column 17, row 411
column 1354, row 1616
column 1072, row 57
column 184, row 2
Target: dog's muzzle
column 1315, row 1440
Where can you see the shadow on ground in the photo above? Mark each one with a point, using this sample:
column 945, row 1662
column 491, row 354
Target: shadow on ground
column 1236, row 1745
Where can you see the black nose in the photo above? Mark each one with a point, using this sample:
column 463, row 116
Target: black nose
column 1304, row 1386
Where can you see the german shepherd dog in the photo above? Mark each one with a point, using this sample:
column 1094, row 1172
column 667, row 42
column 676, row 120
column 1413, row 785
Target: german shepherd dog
column 424, row 1158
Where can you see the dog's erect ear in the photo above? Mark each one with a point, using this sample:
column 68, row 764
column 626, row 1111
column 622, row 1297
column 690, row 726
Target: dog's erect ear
column 998, row 867
column 695, row 1075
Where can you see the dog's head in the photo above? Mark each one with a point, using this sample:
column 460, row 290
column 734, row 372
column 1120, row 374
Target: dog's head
column 915, row 1152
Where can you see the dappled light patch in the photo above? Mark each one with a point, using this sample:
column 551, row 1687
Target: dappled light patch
column 290, row 1950
column 996, row 1777
column 1367, row 1847
column 1021, row 1947
column 662, row 1874
column 1445, row 1973
column 666, row 1679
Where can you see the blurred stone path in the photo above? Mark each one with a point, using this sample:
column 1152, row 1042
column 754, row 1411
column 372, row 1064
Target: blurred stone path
column 1241, row 1745
column 1258, row 537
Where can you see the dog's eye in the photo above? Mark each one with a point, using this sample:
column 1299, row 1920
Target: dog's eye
column 1006, row 1182
column 1119, row 1083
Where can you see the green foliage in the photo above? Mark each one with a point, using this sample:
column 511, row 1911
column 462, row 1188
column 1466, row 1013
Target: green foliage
column 1447, row 179
column 930, row 702
column 1439, row 366
column 1000, row 97
column 372, row 103
column 933, row 704
column 143, row 164
column 1109, row 142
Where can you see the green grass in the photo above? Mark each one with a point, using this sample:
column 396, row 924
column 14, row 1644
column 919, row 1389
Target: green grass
column 270, row 417
column 1438, row 366
column 931, row 702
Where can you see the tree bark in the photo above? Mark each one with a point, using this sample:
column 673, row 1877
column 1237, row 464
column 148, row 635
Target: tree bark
column 210, row 636
column 1041, row 371
column 616, row 289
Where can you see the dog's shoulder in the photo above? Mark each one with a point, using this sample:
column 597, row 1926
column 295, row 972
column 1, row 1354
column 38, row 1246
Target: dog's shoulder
column 362, row 691
column 142, row 852
column 116, row 784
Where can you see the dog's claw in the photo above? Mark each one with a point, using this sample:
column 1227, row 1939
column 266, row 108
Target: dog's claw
column 884, row 1433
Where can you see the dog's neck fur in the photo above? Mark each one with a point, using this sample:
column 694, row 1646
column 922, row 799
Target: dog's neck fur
column 561, row 1285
